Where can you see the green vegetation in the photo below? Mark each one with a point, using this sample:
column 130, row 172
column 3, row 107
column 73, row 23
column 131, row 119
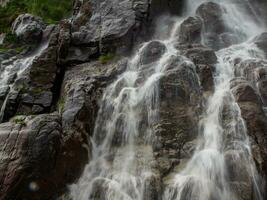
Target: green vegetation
column 18, row 49
column 37, row 90
column 11, row 42
column 51, row 11
column 106, row 57
column 19, row 120
column 60, row 105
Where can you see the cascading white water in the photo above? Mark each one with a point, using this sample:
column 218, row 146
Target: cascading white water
column 121, row 163
column 205, row 176
column 222, row 144
column 127, row 103
column 13, row 68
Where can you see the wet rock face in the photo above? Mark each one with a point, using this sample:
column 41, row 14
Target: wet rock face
column 82, row 90
column 204, row 59
column 152, row 52
column 29, row 145
column 108, row 21
column 211, row 13
column 190, row 30
column 255, row 72
column 32, row 91
column 106, row 26
column 200, row 55
column 179, row 106
column 39, row 159
column 245, row 92
column 44, row 153
column 28, row 28
column 216, row 33
column 255, row 118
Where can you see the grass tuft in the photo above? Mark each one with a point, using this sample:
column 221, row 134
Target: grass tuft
column 51, row 11
column 19, row 120
column 103, row 59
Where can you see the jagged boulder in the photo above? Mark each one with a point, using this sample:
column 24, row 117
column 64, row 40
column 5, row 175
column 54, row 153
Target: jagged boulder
column 28, row 28
column 152, row 52
column 112, row 26
column 30, row 147
column 204, row 59
column 254, row 70
column 82, row 90
column 33, row 88
column 107, row 24
column 256, row 121
column 216, row 33
column 190, row 30
column 180, row 100
column 212, row 14
column 243, row 91
column 39, row 160
column 199, row 54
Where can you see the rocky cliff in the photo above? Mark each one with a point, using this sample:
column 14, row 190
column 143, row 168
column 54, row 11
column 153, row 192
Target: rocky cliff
column 58, row 98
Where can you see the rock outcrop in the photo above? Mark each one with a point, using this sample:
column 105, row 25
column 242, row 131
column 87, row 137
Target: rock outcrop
column 28, row 28
column 50, row 95
column 256, row 120
column 180, row 108
column 100, row 27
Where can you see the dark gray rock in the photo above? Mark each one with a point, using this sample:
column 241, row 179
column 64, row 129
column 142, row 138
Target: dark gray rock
column 81, row 54
column 158, row 7
column 104, row 21
column 28, row 28
column 39, row 160
column 7, row 54
column 152, row 52
column 212, row 14
column 36, row 85
column 3, row 93
column 190, row 30
column 204, row 59
column 243, row 91
column 82, row 90
column 256, row 121
column 110, row 26
column 30, row 147
column 180, row 106
column 255, row 72
column 200, row 55
column 216, row 33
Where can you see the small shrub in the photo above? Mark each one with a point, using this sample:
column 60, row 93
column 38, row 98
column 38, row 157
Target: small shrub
column 60, row 105
column 10, row 38
column 105, row 58
column 19, row 120
column 37, row 90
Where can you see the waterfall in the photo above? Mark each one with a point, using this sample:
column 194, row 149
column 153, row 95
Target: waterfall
column 127, row 112
column 205, row 175
column 121, row 164
column 13, row 68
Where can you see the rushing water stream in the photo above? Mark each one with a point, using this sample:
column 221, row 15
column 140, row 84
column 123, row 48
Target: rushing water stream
column 121, row 163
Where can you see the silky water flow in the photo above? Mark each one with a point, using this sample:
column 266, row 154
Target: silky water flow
column 121, row 162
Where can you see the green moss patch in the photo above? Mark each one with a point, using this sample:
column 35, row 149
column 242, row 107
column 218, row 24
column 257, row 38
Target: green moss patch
column 19, row 120
column 106, row 57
